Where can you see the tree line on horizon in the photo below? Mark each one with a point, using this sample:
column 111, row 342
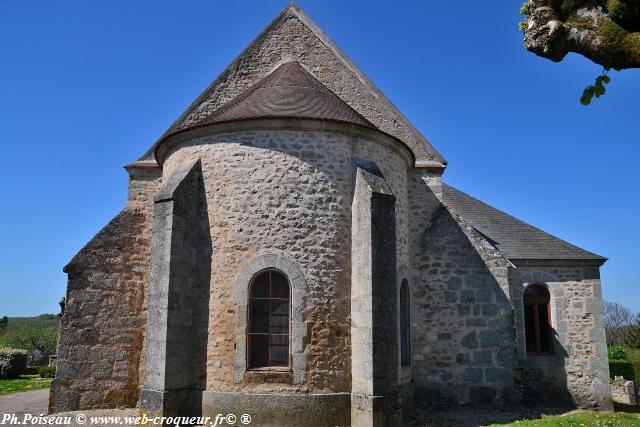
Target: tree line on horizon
column 622, row 325
column 37, row 335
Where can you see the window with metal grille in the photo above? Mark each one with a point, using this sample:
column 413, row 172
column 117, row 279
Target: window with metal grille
column 405, row 332
column 537, row 320
column 269, row 315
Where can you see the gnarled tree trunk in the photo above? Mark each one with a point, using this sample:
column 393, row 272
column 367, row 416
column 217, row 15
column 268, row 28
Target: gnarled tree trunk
column 604, row 31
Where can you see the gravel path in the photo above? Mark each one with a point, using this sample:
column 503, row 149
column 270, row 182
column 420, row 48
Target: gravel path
column 25, row 402
column 36, row 402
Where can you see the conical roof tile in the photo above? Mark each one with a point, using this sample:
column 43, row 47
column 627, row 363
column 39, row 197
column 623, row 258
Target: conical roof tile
column 289, row 91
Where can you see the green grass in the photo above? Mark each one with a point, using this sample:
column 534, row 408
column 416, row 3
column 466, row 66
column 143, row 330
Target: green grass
column 581, row 419
column 25, row 383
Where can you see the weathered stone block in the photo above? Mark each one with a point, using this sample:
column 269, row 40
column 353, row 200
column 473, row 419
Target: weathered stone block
column 472, row 375
column 482, row 357
column 464, row 310
column 469, row 341
column 454, row 283
column 467, row 296
column 497, row 375
column 476, row 322
column 489, row 338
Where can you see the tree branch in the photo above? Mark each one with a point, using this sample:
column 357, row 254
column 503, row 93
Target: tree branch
column 552, row 30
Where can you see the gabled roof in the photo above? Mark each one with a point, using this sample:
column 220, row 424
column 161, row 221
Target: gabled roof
column 515, row 239
column 291, row 92
column 292, row 36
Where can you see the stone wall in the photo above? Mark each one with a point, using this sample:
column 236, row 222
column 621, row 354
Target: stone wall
column 463, row 340
column 374, row 384
column 286, row 195
column 289, row 192
column 624, row 391
column 578, row 370
column 144, row 183
column 102, row 329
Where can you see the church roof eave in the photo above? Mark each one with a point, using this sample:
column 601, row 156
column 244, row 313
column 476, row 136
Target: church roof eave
column 279, row 123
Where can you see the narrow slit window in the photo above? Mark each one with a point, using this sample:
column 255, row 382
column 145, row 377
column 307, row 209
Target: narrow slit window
column 269, row 321
column 405, row 319
column 537, row 320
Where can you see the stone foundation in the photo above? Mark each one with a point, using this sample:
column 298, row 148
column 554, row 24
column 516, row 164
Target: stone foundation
column 284, row 410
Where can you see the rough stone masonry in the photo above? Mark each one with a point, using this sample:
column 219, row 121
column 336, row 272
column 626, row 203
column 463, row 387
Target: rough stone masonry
column 259, row 264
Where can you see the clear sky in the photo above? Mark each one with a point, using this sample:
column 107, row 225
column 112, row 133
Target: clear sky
column 88, row 86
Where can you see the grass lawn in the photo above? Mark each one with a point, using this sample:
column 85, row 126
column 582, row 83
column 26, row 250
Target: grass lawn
column 24, row 383
column 625, row 415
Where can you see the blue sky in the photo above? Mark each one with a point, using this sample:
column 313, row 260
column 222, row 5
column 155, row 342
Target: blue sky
column 86, row 87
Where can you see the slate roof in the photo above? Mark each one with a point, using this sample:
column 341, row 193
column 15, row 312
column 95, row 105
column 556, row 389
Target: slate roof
column 287, row 92
column 515, row 239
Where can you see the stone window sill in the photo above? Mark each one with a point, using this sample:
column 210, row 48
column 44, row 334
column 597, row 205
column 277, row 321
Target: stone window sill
column 270, row 369
column 269, row 375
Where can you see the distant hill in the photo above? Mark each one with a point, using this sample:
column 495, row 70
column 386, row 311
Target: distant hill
column 31, row 333
column 42, row 321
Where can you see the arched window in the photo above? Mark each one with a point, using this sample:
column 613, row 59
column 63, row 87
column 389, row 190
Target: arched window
column 537, row 320
column 405, row 319
column 268, row 332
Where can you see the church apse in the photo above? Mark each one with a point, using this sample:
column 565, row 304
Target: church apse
column 289, row 249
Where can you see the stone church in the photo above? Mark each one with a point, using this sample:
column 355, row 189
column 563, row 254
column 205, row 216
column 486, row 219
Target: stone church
column 289, row 250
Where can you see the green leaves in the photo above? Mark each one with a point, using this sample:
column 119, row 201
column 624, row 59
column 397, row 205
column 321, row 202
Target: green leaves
column 524, row 10
column 596, row 89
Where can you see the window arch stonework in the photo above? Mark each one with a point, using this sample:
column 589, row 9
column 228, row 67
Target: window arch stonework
column 298, row 289
column 557, row 320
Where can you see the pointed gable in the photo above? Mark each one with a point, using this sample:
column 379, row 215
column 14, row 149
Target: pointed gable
column 292, row 36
